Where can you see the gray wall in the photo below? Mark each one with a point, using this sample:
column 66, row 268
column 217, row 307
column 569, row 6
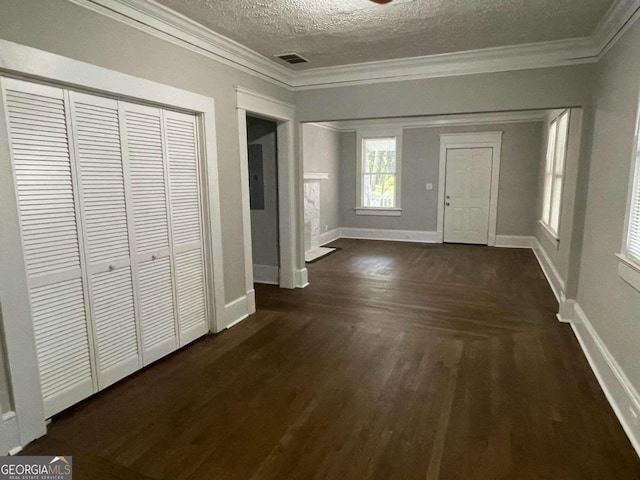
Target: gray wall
column 612, row 306
column 321, row 154
column 560, row 253
column 264, row 223
column 67, row 29
column 5, row 390
column 520, row 90
column 420, row 165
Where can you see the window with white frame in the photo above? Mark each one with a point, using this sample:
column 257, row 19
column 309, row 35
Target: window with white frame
column 379, row 172
column 632, row 241
column 554, row 172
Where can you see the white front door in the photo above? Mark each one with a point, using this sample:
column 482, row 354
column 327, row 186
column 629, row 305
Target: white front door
column 467, row 195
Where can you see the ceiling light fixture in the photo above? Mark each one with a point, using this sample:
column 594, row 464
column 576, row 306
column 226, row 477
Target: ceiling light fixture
column 381, row 2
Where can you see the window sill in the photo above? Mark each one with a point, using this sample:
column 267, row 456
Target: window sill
column 381, row 212
column 555, row 241
column 629, row 271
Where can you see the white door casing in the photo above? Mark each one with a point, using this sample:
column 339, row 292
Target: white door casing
column 467, row 195
column 492, row 140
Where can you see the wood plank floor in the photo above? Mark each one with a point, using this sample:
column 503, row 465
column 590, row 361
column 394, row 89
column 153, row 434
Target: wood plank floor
column 399, row 361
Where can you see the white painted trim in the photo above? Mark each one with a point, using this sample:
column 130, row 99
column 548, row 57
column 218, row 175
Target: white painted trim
column 236, row 311
column 497, row 59
column 514, row 241
column 302, row 278
column 617, row 387
column 441, row 120
column 553, row 277
column 566, row 311
column 265, row 274
column 31, row 63
column 157, row 20
column 415, row 236
column 629, row 271
column 310, row 176
column 153, row 18
column 329, row 236
column 549, row 235
column 289, row 184
column 332, row 126
column 9, row 434
column 379, row 212
column 491, row 140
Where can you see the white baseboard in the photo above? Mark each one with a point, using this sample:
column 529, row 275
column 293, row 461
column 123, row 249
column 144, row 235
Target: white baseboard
column 620, row 392
column 553, row 277
column 265, row 274
column 9, row 434
column 251, row 302
column 329, row 236
column 390, row 235
column 302, row 278
column 236, row 311
column 514, row 241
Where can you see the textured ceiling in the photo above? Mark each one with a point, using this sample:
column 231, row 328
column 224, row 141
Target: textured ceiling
column 338, row 32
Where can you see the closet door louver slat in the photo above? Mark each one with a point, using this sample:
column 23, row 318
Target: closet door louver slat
column 182, row 159
column 144, row 152
column 104, row 213
column 37, row 119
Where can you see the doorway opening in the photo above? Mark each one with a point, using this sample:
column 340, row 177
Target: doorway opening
column 262, row 155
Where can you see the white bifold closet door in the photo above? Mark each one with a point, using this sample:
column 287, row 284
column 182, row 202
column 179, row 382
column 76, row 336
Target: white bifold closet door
column 48, row 209
column 110, row 213
column 182, row 159
column 144, row 151
column 96, row 135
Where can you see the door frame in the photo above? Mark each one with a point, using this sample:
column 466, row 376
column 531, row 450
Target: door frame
column 289, row 190
column 31, row 64
column 450, row 141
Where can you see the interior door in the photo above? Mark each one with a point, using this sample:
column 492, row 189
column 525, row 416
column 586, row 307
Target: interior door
column 467, row 195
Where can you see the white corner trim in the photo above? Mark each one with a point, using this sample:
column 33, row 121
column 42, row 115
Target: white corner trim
column 257, row 102
column 9, row 434
column 491, row 140
column 162, row 22
column 514, row 241
column 236, row 311
column 618, row 389
column 553, row 277
column 566, row 312
column 310, row 176
column 379, row 212
column 265, row 274
column 442, row 120
column 302, row 278
column 390, row 235
column 329, row 236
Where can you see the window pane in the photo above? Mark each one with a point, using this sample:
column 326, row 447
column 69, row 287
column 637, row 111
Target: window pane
column 561, row 143
column 379, row 191
column 379, row 155
column 556, row 201
column 633, row 241
column 546, row 199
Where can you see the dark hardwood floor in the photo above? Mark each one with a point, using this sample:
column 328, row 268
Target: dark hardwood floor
column 399, row 361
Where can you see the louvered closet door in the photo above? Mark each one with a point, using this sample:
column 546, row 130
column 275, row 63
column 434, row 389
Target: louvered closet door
column 48, row 209
column 96, row 131
column 144, row 154
column 182, row 159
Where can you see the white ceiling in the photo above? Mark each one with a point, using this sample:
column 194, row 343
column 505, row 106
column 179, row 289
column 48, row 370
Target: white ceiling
column 341, row 32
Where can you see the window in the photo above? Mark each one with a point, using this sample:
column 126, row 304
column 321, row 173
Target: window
column 629, row 266
column 379, row 173
column 554, row 173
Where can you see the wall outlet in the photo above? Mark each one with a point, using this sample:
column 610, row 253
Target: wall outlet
column 429, row 186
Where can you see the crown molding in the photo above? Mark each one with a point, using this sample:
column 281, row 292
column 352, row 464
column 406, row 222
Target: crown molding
column 162, row 22
column 440, row 120
column 498, row 59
